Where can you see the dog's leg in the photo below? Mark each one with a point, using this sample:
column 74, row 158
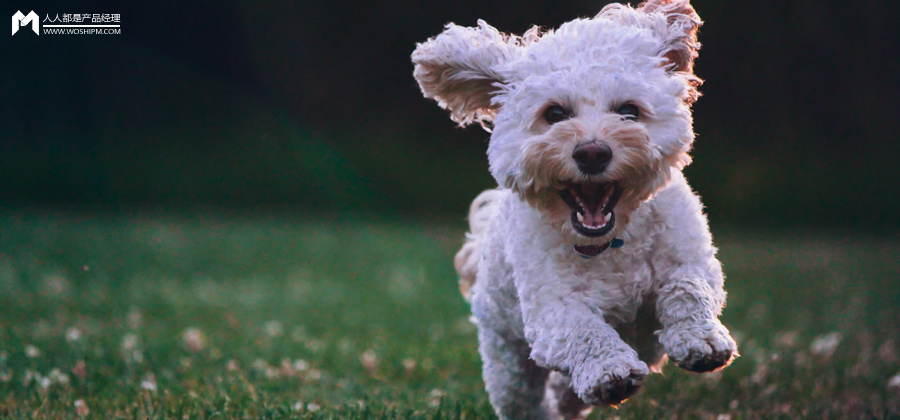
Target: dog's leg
column 562, row 400
column 605, row 370
column 692, row 334
column 515, row 385
column 690, row 286
column 570, row 335
column 641, row 335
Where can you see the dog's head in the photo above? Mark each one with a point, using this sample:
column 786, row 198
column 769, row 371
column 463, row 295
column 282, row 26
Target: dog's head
column 588, row 121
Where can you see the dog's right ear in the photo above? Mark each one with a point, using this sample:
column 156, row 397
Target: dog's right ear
column 458, row 69
column 681, row 36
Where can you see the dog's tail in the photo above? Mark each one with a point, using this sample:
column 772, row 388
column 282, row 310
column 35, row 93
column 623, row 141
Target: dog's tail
column 480, row 213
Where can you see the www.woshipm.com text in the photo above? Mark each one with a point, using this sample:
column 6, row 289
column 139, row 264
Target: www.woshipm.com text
column 82, row 31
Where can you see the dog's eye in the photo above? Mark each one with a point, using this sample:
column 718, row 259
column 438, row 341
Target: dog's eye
column 629, row 111
column 555, row 113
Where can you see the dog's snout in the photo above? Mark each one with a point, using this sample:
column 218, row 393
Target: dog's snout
column 592, row 157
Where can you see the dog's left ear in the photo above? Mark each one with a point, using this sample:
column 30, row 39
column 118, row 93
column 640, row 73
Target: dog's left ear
column 681, row 35
column 458, row 69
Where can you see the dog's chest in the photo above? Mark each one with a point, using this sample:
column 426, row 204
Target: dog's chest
column 619, row 284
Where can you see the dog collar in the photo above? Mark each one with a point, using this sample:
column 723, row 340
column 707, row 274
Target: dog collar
column 590, row 251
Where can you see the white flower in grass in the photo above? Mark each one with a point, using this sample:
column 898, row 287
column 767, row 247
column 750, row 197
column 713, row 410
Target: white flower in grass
column 81, row 408
column 723, row 417
column 31, row 351
column 369, row 359
column 301, row 365
column 298, row 406
column 824, row 346
column 787, row 338
column 73, row 334
column 409, row 365
column 149, row 383
column 134, row 318
column 260, row 366
column 894, row 382
column 193, row 340
column 273, row 328
column 312, row 407
column 56, row 376
column 44, row 382
column 129, row 342
column 436, row 396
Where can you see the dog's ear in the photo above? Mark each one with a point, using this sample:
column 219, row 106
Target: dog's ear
column 458, row 69
column 680, row 37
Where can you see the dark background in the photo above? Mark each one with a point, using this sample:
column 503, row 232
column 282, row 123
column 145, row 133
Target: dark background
column 311, row 107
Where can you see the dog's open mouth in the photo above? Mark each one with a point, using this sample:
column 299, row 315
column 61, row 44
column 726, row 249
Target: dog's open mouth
column 592, row 206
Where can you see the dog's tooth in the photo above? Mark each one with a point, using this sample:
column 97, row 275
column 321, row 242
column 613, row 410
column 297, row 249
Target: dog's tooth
column 607, row 217
column 580, row 217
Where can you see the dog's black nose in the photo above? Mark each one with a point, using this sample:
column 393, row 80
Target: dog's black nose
column 592, row 157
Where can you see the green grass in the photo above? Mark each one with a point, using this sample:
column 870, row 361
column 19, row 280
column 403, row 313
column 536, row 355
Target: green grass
column 237, row 317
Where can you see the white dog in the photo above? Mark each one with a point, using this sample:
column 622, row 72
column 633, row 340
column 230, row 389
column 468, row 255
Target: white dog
column 593, row 260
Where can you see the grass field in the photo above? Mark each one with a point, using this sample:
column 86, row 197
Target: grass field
column 238, row 317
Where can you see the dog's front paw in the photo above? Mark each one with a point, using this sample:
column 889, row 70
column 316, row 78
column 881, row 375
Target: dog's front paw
column 699, row 347
column 610, row 385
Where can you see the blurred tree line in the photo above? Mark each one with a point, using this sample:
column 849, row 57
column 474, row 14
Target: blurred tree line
column 312, row 106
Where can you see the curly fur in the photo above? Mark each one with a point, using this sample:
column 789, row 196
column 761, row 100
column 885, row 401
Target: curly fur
column 558, row 332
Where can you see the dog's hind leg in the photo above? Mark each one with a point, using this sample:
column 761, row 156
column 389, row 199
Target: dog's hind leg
column 562, row 400
column 515, row 385
column 467, row 259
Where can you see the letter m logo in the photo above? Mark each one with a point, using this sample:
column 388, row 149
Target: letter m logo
column 19, row 20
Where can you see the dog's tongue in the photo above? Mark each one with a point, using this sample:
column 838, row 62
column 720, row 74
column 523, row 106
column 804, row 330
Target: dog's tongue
column 592, row 196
